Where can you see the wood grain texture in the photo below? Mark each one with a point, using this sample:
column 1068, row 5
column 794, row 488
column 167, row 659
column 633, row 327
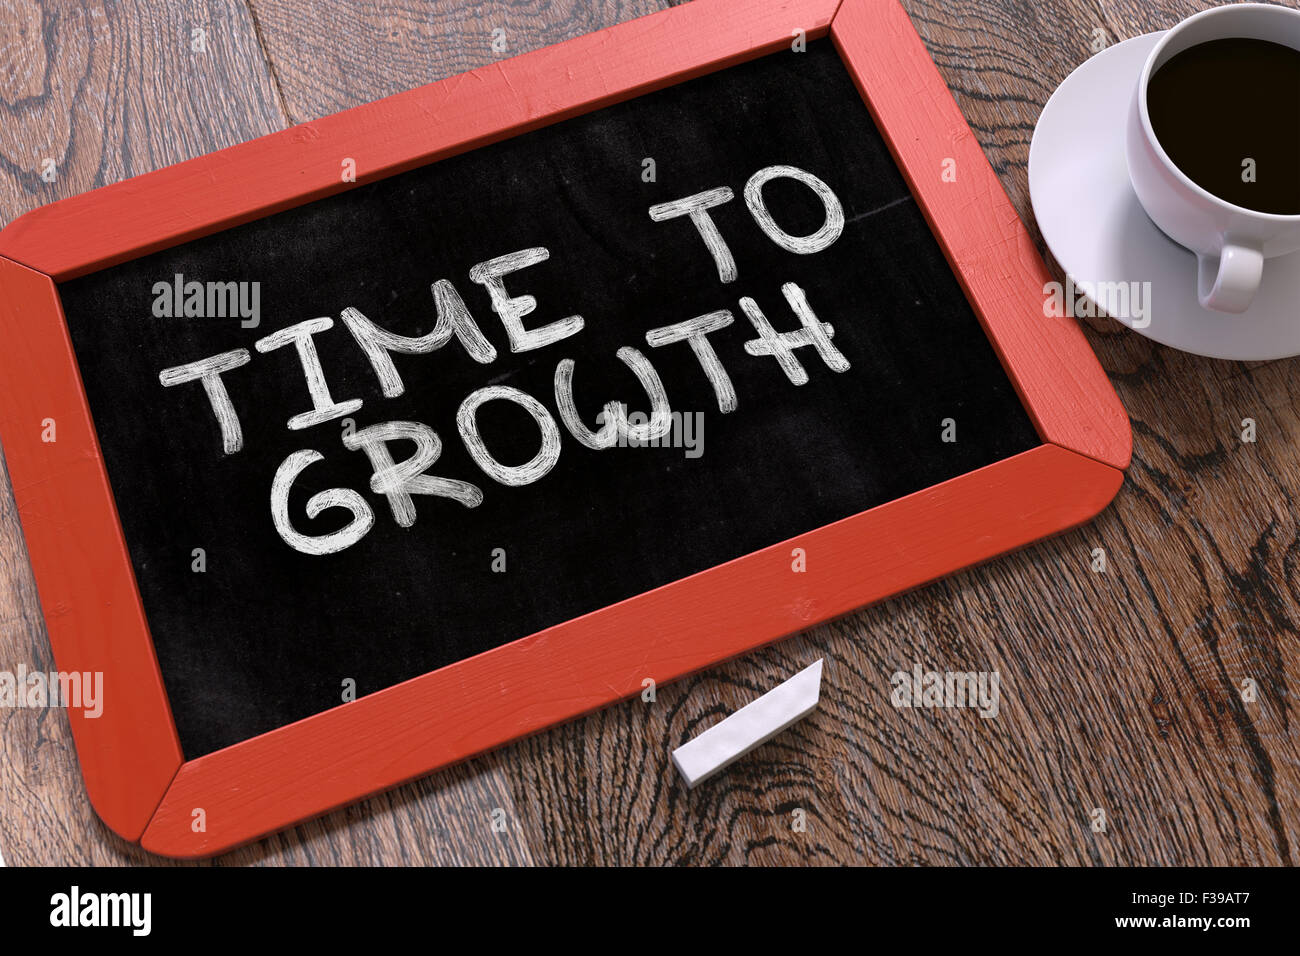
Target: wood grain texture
column 329, row 56
column 1120, row 690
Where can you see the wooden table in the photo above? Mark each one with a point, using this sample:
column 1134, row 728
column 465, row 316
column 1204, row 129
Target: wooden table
column 1122, row 691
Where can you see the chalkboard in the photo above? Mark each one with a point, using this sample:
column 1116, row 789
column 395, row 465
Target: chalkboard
column 330, row 448
column 252, row 633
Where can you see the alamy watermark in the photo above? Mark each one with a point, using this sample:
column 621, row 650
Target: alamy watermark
column 20, row 688
column 660, row 430
column 73, row 909
column 976, row 690
column 208, row 300
column 1127, row 302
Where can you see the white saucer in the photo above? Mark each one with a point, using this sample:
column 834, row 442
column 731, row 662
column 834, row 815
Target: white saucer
column 1097, row 230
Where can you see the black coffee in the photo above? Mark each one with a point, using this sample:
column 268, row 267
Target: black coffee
column 1219, row 105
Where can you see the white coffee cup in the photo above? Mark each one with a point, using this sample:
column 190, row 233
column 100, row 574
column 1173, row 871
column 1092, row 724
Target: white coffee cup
column 1230, row 241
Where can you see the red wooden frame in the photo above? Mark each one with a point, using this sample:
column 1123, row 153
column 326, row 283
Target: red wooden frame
column 130, row 756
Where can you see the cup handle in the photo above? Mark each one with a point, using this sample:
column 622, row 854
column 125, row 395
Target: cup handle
column 1228, row 282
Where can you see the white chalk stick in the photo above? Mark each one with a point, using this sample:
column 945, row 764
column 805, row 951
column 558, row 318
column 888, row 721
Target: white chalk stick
column 752, row 725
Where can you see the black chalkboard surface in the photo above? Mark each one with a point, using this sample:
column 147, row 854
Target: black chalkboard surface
column 252, row 634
